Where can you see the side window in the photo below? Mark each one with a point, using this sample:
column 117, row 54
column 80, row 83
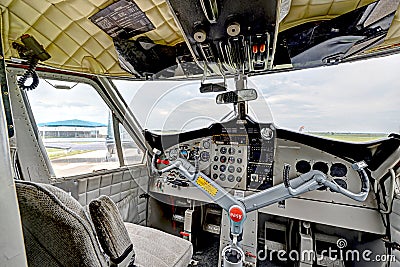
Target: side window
column 75, row 126
column 130, row 151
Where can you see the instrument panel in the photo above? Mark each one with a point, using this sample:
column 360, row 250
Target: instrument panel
column 241, row 156
column 247, row 156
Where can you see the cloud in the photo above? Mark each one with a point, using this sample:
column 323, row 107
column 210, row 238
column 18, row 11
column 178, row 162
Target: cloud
column 360, row 97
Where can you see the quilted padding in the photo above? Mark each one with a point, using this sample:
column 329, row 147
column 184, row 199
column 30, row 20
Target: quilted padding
column 123, row 187
column 392, row 39
column 72, row 40
column 303, row 11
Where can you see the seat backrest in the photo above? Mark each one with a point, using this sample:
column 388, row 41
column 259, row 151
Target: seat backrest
column 57, row 230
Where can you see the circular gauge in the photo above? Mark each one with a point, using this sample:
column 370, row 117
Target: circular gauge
column 338, row 170
column 320, row 166
column 239, row 160
column 215, row 167
column 173, row 154
column 204, row 156
column 184, row 153
column 231, row 169
column 341, row 182
column 223, row 150
column 231, row 150
column 231, row 160
column 238, row 169
column 222, row 177
column 215, row 176
column 303, row 166
column 216, row 158
column 238, row 179
column 222, row 159
column 231, row 178
column 206, row 144
column 267, row 133
column 222, row 168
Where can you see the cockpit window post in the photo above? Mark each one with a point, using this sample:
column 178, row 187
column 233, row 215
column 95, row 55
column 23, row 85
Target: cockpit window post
column 5, row 93
column 10, row 223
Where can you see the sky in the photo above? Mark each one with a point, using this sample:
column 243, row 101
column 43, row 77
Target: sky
column 352, row 97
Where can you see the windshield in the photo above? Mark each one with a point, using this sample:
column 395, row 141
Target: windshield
column 355, row 101
column 178, row 106
column 353, row 98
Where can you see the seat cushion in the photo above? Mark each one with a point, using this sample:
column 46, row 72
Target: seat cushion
column 154, row 248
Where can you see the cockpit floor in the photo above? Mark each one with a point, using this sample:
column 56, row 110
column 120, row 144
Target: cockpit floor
column 207, row 254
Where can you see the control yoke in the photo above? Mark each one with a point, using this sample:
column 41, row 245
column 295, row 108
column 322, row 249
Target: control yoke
column 237, row 208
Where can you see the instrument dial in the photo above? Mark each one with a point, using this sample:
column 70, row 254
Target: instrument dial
column 184, row 153
column 204, row 156
column 222, row 168
column 267, row 133
column 173, row 154
column 338, row 170
column 321, row 166
column 222, row 159
column 231, row 169
column 206, row 144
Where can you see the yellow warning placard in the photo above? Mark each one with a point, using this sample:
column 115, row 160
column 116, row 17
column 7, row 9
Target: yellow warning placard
column 206, row 186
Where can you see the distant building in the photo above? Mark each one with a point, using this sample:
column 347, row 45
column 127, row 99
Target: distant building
column 72, row 129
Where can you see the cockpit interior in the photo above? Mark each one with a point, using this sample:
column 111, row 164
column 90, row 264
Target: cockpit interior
column 182, row 133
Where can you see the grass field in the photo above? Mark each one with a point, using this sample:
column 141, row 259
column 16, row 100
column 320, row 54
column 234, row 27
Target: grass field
column 351, row 137
column 55, row 153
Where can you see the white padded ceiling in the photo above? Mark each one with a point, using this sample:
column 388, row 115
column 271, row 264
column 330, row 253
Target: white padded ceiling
column 72, row 40
column 303, row 11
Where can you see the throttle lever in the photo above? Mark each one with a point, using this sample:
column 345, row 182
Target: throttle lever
column 359, row 167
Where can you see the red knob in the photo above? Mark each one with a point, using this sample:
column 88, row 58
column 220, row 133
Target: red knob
column 163, row 161
column 184, row 234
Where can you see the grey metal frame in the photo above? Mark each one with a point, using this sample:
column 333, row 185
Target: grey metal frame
column 11, row 238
